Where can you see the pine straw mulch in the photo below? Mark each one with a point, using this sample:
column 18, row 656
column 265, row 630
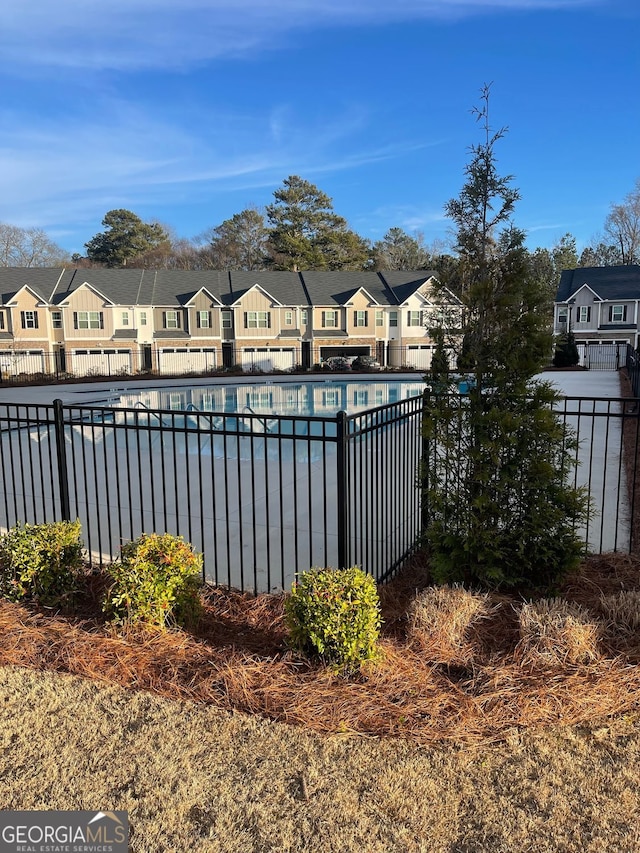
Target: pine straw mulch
column 238, row 660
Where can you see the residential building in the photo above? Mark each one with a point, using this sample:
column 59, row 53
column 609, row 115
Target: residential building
column 92, row 321
column 600, row 305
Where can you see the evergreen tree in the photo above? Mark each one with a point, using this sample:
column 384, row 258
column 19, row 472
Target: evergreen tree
column 306, row 234
column 126, row 237
column 566, row 353
column 499, row 508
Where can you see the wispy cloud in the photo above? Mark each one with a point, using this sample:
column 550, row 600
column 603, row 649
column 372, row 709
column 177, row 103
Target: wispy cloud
column 128, row 157
column 130, row 34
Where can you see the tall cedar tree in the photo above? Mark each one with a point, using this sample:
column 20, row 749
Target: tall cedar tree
column 499, row 507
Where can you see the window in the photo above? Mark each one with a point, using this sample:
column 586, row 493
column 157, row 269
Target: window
column 379, row 318
column 203, row 319
column 304, row 317
column 257, row 319
column 171, row 320
column 617, row 313
column 414, row 318
column 88, row 320
column 329, row 319
column 125, row 318
column 584, row 314
column 29, row 319
column 360, row 318
column 143, row 318
column 288, row 318
column 227, row 320
column 393, row 319
column 563, row 315
column 56, row 319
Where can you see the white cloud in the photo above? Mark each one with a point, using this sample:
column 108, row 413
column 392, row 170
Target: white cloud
column 126, row 157
column 129, row 34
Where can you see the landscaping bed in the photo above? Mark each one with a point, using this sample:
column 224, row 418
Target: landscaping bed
column 237, row 658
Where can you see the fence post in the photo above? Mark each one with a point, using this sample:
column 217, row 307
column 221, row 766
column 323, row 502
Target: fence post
column 61, row 453
column 424, row 474
column 342, row 492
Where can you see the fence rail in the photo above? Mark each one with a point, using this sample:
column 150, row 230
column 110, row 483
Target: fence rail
column 263, row 497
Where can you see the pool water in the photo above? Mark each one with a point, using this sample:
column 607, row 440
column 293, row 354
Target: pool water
column 320, row 399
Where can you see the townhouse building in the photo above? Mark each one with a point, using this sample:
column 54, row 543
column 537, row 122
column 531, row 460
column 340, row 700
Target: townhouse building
column 600, row 305
column 93, row 321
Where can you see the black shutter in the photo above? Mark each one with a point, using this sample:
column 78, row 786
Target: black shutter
column 75, row 319
column 589, row 314
column 246, row 320
column 164, row 319
column 268, row 319
column 624, row 314
column 324, row 319
column 366, row 318
column 23, row 320
column 35, row 319
column 198, row 319
column 610, row 313
column 102, row 320
column 210, row 320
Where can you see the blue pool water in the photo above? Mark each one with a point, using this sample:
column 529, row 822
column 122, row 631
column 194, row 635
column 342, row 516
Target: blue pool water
column 319, row 399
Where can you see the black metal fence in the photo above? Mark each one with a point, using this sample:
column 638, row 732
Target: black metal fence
column 633, row 369
column 263, row 497
column 32, row 365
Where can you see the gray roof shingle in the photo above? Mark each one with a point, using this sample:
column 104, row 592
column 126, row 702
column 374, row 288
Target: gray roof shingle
column 621, row 282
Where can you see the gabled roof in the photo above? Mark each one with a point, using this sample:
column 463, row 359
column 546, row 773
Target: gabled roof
column 204, row 290
column 283, row 287
column 338, row 287
column 40, row 281
column 620, row 282
column 404, row 284
column 262, row 290
column 42, row 300
column 63, row 299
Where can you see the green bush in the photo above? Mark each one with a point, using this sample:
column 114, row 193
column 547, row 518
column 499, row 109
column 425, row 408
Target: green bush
column 335, row 613
column 40, row 562
column 157, row 582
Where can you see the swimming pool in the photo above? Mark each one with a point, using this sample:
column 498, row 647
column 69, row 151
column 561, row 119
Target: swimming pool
column 322, row 398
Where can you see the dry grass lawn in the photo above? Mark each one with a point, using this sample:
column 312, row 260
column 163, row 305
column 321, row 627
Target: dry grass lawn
column 229, row 742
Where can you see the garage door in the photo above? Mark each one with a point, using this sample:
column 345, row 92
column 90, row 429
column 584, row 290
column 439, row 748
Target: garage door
column 343, row 352
column 28, row 361
column 101, row 362
column 267, row 358
column 181, row 360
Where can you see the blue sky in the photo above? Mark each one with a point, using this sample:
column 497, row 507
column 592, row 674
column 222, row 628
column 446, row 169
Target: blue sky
column 188, row 112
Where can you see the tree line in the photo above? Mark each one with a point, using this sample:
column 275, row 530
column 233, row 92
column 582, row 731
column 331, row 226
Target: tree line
column 300, row 230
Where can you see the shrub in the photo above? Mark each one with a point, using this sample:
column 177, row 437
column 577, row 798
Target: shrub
column 566, row 353
column 440, row 619
column 40, row 561
column 623, row 610
column 335, row 614
column 556, row 631
column 157, row 582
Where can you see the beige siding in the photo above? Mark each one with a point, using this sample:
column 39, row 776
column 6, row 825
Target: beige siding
column 203, row 303
column 317, row 317
column 81, row 300
column 360, row 303
column 255, row 300
column 26, row 301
